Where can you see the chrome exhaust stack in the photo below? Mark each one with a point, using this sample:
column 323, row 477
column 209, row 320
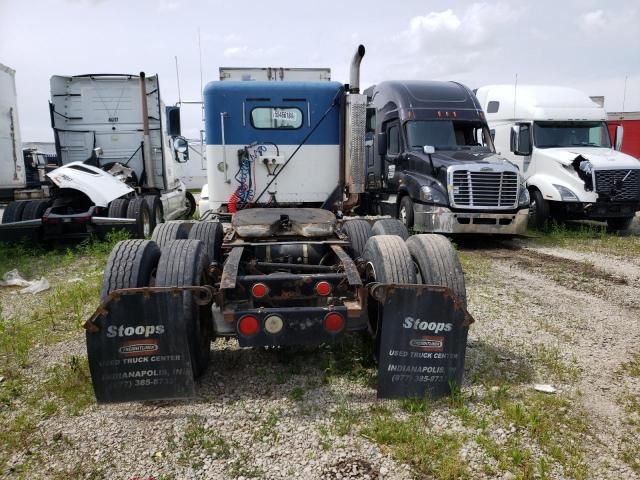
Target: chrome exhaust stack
column 354, row 76
column 355, row 126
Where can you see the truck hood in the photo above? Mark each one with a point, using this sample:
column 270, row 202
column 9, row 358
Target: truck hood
column 600, row 158
column 446, row 159
column 101, row 187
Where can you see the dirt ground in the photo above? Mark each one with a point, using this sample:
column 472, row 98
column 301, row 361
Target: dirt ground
column 565, row 317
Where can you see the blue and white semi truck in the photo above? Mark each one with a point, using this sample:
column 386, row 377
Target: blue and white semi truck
column 285, row 159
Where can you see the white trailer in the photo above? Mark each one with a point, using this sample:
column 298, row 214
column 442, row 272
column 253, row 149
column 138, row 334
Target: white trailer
column 560, row 140
column 12, row 172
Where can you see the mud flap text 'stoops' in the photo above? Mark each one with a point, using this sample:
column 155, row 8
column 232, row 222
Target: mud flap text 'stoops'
column 423, row 343
column 140, row 350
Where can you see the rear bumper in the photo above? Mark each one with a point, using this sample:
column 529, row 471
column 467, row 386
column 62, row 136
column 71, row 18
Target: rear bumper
column 431, row 218
column 301, row 326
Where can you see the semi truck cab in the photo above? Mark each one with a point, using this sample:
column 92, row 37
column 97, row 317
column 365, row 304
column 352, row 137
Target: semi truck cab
column 559, row 138
column 432, row 164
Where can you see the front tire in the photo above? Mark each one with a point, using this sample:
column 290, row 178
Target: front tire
column 190, row 202
column 538, row 211
column 405, row 211
column 155, row 210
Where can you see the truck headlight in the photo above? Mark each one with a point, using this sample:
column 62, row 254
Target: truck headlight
column 566, row 194
column 523, row 197
column 432, row 195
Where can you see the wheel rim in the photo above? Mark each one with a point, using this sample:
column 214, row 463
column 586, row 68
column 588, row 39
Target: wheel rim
column 146, row 223
column 403, row 215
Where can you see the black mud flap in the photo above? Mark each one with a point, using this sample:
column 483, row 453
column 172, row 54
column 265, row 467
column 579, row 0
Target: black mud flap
column 423, row 342
column 138, row 346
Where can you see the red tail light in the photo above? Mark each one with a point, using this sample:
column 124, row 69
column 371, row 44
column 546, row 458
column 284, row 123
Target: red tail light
column 259, row 290
column 248, row 325
column 323, row 288
column 333, row 322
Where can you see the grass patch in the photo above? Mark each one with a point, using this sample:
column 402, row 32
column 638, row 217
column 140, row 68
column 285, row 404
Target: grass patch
column 430, row 453
column 199, row 439
column 243, row 467
column 71, row 385
column 267, row 430
column 549, row 358
column 553, row 422
column 344, row 419
column 588, row 238
column 632, row 367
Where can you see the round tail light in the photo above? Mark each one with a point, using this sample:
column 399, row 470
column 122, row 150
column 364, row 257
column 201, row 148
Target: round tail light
column 259, row 290
column 323, row 288
column 333, row 322
column 273, row 324
column 248, row 325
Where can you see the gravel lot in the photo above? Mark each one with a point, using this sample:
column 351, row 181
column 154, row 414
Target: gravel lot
column 559, row 316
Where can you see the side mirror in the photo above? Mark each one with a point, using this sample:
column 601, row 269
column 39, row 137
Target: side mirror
column 429, row 149
column 173, row 121
column 618, row 139
column 97, row 151
column 521, row 139
column 382, row 143
column 181, row 146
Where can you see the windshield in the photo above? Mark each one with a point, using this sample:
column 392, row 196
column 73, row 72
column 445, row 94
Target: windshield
column 571, row 134
column 449, row 135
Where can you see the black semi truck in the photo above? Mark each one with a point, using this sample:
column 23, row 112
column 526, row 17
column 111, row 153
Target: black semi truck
column 430, row 162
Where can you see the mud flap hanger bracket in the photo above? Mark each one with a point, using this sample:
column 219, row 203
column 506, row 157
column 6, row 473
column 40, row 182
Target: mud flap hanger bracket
column 380, row 291
column 203, row 295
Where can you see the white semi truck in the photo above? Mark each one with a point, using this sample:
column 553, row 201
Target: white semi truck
column 117, row 165
column 559, row 138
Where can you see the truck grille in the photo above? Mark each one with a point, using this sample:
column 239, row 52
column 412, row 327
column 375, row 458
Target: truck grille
column 476, row 189
column 618, row 185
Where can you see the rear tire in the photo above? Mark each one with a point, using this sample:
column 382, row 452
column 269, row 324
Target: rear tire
column 169, row 231
column 619, row 224
column 538, row 211
column 131, row 264
column 358, row 231
column 405, row 212
column 35, row 209
column 437, row 263
column 118, row 208
column 390, row 226
column 210, row 234
column 13, row 212
column 155, row 210
column 139, row 211
column 387, row 261
column 183, row 263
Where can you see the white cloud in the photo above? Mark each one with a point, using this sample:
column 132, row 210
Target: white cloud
column 595, row 20
column 168, row 5
column 234, row 52
column 447, row 30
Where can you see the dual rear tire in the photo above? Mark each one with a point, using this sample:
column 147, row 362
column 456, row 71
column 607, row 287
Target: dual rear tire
column 426, row 259
column 22, row 210
column 142, row 263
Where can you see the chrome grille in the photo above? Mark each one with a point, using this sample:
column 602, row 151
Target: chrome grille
column 477, row 189
column 618, row 185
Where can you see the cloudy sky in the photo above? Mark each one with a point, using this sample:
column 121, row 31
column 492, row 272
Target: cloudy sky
column 590, row 44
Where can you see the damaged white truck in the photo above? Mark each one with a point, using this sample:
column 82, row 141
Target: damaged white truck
column 559, row 138
column 117, row 165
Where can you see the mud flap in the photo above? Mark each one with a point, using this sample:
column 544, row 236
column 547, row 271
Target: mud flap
column 423, row 340
column 138, row 346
